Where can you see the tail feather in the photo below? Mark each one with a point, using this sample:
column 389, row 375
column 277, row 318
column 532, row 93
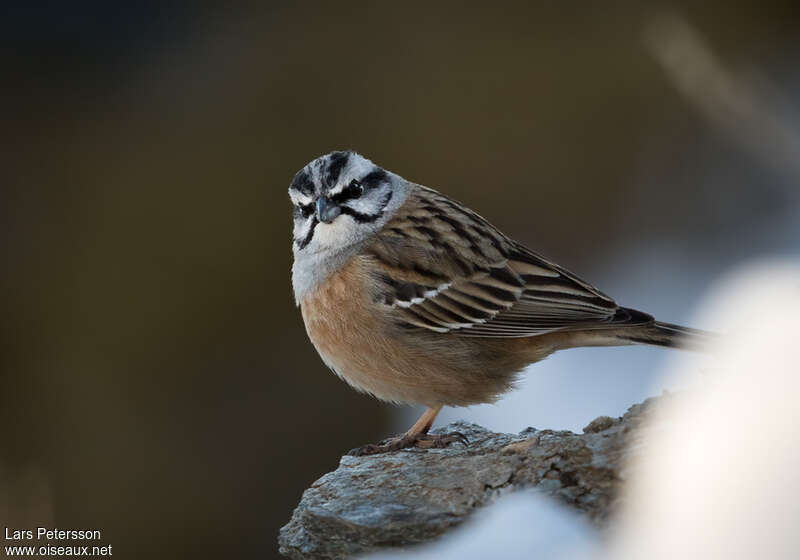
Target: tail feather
column 630, row 326
column 669, row 335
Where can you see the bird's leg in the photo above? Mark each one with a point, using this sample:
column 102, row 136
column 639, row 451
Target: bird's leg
column 416, row 436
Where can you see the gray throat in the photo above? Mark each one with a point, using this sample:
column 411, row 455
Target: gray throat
column 309, row 270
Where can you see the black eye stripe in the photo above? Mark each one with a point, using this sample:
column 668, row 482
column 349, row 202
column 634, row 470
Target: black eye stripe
column 304, row 210
column 362, row 218
column 353, row 190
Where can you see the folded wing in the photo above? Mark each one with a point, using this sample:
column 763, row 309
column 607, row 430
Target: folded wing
column 440, row 266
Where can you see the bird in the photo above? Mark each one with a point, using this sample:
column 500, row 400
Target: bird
column 412, row 297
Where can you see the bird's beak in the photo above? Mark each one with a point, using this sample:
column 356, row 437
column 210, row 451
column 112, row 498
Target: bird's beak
column 327, row 211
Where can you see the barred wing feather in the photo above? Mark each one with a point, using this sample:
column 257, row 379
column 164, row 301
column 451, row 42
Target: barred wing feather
column 474, row 281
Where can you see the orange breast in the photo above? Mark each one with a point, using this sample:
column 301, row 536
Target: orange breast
column 357, row 338
column 350, row 335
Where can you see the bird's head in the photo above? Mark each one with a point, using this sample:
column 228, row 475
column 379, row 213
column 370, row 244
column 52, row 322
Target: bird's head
column 340, row 199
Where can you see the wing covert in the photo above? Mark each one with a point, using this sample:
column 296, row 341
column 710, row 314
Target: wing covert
column 441, row 267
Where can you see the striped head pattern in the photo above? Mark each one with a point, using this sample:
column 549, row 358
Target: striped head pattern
column 339, row 199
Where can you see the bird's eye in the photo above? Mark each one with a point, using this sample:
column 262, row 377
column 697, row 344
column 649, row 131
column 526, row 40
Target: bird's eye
column 356, row 189
column 353, row 190
column 304, row 210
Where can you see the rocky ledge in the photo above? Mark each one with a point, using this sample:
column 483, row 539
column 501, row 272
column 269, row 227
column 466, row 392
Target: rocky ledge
column 411, row 496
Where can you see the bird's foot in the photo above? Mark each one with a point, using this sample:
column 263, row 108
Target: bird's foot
column 423, row 441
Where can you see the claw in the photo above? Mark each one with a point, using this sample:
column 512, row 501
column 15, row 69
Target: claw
column 368, row 449
column 423, row 441
column 439, row 441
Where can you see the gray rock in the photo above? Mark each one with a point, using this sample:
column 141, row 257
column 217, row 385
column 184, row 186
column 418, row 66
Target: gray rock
column 411, row 496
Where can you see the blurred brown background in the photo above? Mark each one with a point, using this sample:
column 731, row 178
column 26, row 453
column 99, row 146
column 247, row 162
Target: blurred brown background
column 157, row 383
